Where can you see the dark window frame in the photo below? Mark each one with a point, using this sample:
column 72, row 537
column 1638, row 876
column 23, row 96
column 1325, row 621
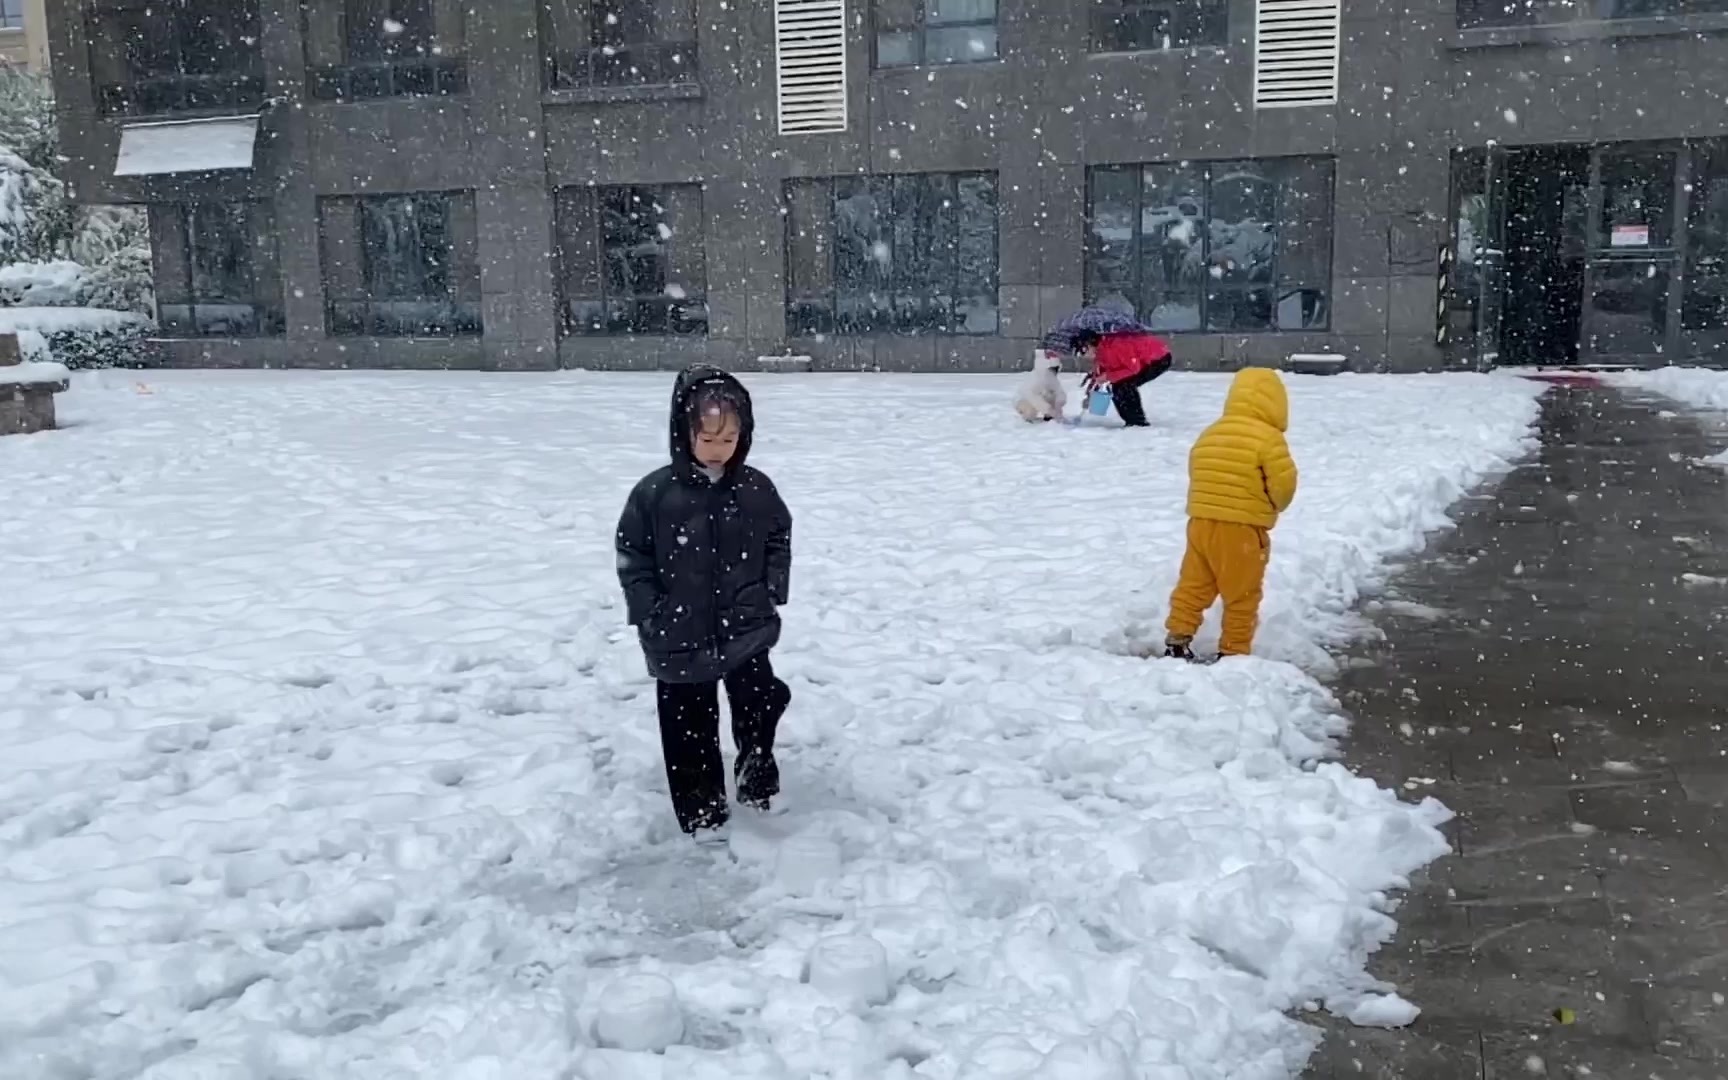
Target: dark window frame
column 12, row 14
column 177, row 91
column 834, row 322
column 919, row 30
column 1531, row 14
column 1099, row 11
column 597, row 195
column 359, row 315
column 269, row 319
column 1704, row 304
column 407, row 68
column 618, row 61
column 1204, row 290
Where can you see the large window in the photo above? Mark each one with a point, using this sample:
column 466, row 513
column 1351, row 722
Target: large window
column 386, row 48
column 913, row 33
column 1223, row 247
column 1476, row 14
column 618, row 43
column 1705, row 306
column 12, row 14
column 631, row 261
column 164, row 56
column 216, row 271
column 401, row 265
column 1146, row 25
column 905, row 254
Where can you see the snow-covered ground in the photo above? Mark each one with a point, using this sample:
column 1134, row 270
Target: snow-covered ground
column 1699, row 388
column 328, row 755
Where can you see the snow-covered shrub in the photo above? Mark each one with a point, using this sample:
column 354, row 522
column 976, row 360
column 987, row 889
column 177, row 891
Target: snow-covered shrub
column 27, row 116
column 123, row 282
column 34, row 215
column 114, row 242
column 39, row 225
column 35, row 219
column 82, row 337
column 104, row 231
column 60, row 283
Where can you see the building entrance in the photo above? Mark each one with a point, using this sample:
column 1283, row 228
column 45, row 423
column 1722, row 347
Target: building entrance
column 1568, row 254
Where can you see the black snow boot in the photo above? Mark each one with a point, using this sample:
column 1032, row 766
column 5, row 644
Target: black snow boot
column 1178, row 649
column 757, row 776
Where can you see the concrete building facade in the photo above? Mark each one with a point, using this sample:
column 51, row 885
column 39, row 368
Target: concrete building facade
column 24, row 34
column 530, row 184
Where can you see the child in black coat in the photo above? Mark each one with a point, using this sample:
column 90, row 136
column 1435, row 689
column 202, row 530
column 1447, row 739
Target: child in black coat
column 705, row 558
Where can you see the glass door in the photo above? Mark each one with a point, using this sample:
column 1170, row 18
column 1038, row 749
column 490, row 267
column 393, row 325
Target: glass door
column 1490, row 261
column 1633, row 254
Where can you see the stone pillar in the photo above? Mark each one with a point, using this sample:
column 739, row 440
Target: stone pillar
column 514, row 207
column 285, row 157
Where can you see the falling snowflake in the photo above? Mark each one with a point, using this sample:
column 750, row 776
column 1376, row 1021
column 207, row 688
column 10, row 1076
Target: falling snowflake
column 1511, row 116
column 675, row 292
column 391, row 26
column 879, row 251
column 665, row 231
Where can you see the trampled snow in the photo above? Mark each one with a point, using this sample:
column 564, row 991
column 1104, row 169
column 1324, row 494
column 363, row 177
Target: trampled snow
column 328, row 753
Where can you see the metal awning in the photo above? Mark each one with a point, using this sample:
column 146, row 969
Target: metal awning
column 184, row 146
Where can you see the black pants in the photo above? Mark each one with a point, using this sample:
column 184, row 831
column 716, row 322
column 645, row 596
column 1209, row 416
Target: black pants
column 690, row 738
column 1126, row 394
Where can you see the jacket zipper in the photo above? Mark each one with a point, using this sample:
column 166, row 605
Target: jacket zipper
column 714, row 641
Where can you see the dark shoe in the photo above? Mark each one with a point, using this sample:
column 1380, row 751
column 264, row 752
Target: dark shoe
column 758, row 779
column 1177, row 649
column 709, row 819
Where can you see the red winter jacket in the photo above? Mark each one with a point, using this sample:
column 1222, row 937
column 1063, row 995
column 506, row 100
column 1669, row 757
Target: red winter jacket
column 1121, row 356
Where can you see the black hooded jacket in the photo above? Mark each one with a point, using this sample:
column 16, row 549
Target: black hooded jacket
column 705, row 563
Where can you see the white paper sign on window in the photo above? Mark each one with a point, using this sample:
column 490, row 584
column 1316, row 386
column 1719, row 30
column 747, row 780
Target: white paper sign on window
column 1629, row 236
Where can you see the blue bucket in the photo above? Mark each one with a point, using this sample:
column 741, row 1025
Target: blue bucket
column 1098, row 403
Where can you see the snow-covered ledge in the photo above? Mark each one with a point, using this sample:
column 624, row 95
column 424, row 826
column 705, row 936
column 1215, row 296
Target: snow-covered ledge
column 27, row 390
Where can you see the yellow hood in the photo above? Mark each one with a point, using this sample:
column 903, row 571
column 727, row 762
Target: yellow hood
column 1258, row 393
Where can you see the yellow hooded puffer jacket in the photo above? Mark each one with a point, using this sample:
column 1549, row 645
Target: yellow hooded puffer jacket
column 1240, row 468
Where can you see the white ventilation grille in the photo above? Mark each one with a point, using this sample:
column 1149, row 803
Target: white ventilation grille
column 1296, row 50
column 810, row 65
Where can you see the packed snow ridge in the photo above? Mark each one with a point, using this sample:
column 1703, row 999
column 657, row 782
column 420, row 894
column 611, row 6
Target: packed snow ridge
column 328, row 753
column 1704, row 389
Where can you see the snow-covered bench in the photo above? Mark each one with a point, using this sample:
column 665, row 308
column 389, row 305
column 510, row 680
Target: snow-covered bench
column 1316, row 363
column 27, row 390
column 785, row 363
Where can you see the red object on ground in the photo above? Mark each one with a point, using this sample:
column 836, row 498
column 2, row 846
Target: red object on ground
column 1121, row 356
column 1565, row 378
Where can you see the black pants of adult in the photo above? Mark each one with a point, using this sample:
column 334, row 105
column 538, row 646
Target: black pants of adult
column 690, row 738
column 1126, row 394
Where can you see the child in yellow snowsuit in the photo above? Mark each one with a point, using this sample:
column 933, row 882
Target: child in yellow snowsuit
column 1240, row 478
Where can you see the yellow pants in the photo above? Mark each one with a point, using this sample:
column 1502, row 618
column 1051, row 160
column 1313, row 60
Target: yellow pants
column 1223, row 559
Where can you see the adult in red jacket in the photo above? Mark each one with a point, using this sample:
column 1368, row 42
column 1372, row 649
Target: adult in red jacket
column 1125, row 361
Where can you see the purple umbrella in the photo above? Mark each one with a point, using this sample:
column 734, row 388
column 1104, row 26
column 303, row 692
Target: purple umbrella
column 1091, row 321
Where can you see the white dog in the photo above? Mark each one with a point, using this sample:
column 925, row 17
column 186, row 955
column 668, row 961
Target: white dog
column 1041, row 396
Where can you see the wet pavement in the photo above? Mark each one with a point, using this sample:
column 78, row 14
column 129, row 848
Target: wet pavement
column 1554, row 672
